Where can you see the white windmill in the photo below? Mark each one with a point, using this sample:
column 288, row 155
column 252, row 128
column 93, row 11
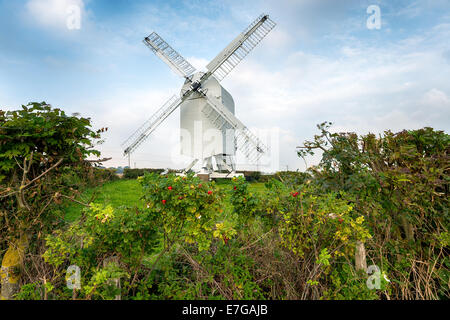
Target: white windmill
column 205, row 105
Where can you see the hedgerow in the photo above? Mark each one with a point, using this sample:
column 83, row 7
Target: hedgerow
column 372, row 203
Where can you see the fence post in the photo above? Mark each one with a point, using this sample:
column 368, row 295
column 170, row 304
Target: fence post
column 115, row 281
column 11, row 261
column 360, row 256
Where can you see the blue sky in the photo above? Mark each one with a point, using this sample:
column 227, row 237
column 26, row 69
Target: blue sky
column 320, row 63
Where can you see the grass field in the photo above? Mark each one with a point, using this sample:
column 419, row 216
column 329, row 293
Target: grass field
column 128, row 193
column 115, row 193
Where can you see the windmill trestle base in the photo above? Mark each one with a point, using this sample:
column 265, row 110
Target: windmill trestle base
column 214, row 175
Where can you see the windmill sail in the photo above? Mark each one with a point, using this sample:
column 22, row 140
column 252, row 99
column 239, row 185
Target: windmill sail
column 172, row 58
column 141, row 134
column 238, row 49
column 222, row 118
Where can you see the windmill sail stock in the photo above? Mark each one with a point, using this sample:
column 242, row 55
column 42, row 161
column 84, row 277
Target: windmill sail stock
column 167, row 54
column 238, row 49
column 141, row 134
column 178, row 64
column 222, row 118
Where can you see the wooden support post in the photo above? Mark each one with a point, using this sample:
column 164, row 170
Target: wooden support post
column 12, row 260
column 115, row 281
column 360, row 256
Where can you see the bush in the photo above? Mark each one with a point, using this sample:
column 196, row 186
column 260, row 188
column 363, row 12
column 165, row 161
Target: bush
column 121, row 236
column 292, row 178
column 256, row 176
column 100, row 176
column 129, row 173
column 41, row 148
column 180, row 211
column 399, row 182
column 245, row 203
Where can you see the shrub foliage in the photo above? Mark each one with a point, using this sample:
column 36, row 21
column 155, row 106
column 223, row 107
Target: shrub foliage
column 298, row 238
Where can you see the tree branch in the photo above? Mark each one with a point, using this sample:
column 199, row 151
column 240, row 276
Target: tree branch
column 99, row 160
column 71, row 199
column 23, row 186
column 44, row 173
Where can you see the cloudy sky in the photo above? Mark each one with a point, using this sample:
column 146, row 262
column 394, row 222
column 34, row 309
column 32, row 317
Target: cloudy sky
column 320, row 63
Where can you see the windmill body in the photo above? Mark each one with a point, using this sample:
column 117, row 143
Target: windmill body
column 210, row 131
column 201, row 138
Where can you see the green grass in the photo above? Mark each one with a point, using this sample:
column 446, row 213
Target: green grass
column 116, row 193
column 128, row 193
column 257, row 187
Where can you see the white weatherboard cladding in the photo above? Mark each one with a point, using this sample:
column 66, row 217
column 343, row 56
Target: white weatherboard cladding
column 200, row 138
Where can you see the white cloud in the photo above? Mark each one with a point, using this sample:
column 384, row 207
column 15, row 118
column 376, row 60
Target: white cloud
column 53, row 13
column 435, row 97
column 349, row 51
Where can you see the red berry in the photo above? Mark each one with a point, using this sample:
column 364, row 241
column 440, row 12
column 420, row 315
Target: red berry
column 209, row 192
column 234, row 188
column 295, row 194
column 341, row 220
column 164, row 201
column 170, row 188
